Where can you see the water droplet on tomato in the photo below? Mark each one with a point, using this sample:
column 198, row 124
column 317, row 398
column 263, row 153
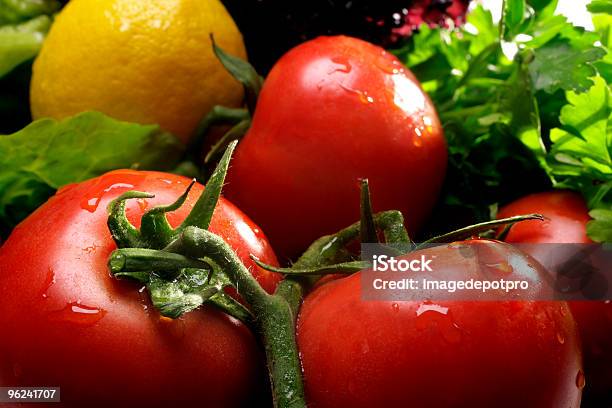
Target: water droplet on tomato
column 395, row 307
column 431, row 307
column 49, row 281
column 90, row 249
column 91, row 200
column 431, row 315
column 560, row 338
column 365, row 98
column 362, row 95
column 389, row 66
column 78, row 313
column 503, row 267
column 143, row 298
column 580, row 379
column 341, row 64
column 143, row 203
column 417, row 141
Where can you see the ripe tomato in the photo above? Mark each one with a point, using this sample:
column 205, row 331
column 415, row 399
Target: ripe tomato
column 566, row 218
column 332, row 111
column 66, row 322
column 438, row 354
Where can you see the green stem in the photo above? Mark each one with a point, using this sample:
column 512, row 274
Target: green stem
column 342, row 268
column 235, row 133
column 467, row 232
column 367, row 225
column 154, row 226
column 292, row 289
column 218, row 115
column 202, row 212
column 142, row 259
column 123, row 232
column 275, row 318
column 326, row 251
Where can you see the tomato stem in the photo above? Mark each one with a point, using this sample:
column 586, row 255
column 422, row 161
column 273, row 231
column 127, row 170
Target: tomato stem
column 123, row 232
column 202, row 212
column 154, row 226
column 235, row 133
column 367, row 225
column 339, row 268
column 472, row 230
column 196, row 265
column 326, row 250
column 274, row 315
column 143, row 259
column 218, row 115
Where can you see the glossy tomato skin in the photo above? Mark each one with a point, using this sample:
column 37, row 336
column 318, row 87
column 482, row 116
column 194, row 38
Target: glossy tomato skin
column 439, row 354
column 66, row 322
column 332, row 111
column 566, row 218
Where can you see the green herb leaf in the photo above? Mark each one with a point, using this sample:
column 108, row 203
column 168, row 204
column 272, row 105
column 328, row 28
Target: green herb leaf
column 48, row 154
column 600, row 6
column 513, row 17
column 559, row 65
column 600, row 228
column 581, row 154
column 242, row 71
column 499, row 92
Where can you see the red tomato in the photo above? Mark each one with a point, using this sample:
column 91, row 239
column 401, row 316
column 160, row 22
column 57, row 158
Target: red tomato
column 439, row 354
column 567, row 216
column 332, row 111
column 66, row 322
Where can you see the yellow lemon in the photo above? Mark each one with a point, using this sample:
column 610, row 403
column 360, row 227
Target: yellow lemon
column 145, row 61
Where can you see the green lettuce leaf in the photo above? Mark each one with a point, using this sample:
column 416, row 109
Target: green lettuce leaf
column 17, row 11
column 23, row 27
column 21, row 42
column 48, row 154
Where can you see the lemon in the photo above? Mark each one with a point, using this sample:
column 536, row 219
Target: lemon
column 144, row 61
